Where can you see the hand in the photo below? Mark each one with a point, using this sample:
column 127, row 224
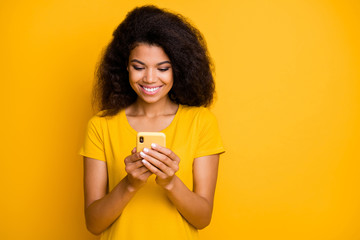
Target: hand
column 137, row 173
column 162, row 162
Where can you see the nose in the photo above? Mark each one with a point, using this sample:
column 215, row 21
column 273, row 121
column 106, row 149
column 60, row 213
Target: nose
column 150, row 76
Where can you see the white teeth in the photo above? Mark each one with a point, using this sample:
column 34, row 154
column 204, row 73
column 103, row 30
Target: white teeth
column 151, row 89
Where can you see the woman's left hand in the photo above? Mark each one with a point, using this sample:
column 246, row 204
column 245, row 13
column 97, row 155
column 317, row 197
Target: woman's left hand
column 163, row 162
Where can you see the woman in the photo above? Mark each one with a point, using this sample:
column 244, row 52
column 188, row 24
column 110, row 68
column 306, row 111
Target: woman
column 155, row 76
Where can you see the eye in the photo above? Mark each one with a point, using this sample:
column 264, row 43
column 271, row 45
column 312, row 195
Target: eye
column 164, row 69
column 137, row 68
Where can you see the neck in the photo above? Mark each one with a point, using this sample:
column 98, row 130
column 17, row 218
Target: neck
column 161, row 108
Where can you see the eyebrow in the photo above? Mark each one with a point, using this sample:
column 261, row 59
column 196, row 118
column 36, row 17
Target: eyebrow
column 160, row 63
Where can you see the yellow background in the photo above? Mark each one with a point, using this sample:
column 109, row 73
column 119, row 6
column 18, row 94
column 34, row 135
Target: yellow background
column 288, row 104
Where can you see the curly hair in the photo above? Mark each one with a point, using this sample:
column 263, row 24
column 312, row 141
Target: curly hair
column 184, row 45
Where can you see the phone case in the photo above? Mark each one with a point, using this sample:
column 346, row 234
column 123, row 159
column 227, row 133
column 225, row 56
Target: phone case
column 145, row 139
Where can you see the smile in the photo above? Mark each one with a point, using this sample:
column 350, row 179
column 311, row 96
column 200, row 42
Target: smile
column 150, row 90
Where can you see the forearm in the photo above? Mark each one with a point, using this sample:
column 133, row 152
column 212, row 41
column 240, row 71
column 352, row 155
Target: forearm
column 103, row 212
column 196, row 209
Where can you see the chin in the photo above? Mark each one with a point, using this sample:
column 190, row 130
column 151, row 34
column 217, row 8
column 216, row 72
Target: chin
column 153, row 99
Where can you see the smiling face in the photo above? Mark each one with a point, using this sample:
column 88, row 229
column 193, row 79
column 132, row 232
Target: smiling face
column 150, row 73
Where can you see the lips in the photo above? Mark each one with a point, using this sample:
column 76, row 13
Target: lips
column 150, row 90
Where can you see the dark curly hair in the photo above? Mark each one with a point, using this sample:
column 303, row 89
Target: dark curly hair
column 184, row 45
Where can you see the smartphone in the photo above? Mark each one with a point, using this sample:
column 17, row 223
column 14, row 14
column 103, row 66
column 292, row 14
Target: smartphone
column 145, row 139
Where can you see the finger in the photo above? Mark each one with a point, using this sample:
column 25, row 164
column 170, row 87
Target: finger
column 168, row 171
column 171, row 161
column 165, row 151
column 133, row 151
column 137, row 164
column 141, row 170
column 147, row 174
column 159, row 156
column 141, row 174
column 159, row 164
column 153, row 169
column 132, row 166
column 133, row 158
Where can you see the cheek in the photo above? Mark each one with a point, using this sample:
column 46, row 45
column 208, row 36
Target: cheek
column 132, row 79
column 133, row 76
column 170, row 78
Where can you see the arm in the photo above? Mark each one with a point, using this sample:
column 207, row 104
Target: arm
column 102, row 208
column 195, row 206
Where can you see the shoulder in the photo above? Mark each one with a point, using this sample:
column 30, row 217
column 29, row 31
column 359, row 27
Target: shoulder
column 99, row 119
column 200, row 113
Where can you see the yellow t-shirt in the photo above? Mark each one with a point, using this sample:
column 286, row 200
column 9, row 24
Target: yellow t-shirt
column 150, row 214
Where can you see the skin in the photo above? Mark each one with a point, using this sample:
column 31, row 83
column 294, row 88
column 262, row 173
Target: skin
column 150, row 75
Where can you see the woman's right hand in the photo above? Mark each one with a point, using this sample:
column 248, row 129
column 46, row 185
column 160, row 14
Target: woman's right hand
column 137, row 173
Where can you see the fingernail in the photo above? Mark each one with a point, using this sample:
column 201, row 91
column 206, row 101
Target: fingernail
column 142, row 154
column 146, row 150
column 153, row 145
column 144, row 161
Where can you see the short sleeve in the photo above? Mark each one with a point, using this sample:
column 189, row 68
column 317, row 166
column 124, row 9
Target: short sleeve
column 209, row 135
column 93, row 145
